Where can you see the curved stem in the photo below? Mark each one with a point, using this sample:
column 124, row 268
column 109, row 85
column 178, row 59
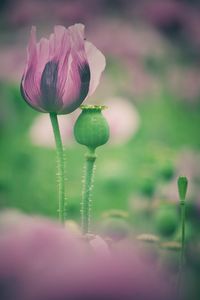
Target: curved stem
column 60, row 166
column 87, row 189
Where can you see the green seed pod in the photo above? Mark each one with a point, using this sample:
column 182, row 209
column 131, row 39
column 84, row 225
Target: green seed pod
column 91, row 128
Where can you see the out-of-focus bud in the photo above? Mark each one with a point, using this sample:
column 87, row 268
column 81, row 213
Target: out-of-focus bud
column 182, row 187
column 166, row 220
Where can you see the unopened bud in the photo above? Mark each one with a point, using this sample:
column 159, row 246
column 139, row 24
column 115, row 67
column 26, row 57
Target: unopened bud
column 182, row 187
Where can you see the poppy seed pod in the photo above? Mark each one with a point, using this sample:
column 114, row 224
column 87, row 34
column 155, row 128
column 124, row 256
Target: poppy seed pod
column 62, row 71
column 91, row 128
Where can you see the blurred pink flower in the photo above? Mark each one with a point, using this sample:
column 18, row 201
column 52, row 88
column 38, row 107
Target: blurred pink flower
column 179, row 17
column 71, row 11
column 130, row 48
column 24, row 12
column 100, row 246
column 163, row 13
column 41, row 260
column 62, row 71
column 11, row 63
column 130, row 41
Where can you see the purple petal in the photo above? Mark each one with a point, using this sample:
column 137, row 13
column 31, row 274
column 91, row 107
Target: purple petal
column 58, row 43
column 77, row 37
column 48, row 87
column 78, row 77
column 76, row 88
column 60, row 51
column 42, row 56
column 31, row 49
column 29, row 85
column 26, row 97
column 43, row 84
column 97, row 64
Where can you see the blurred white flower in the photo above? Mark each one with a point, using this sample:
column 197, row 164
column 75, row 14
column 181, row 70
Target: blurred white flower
column 41, row 133
column 123, row 119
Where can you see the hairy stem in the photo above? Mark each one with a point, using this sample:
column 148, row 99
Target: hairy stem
column 60, row 167
column 87, row 189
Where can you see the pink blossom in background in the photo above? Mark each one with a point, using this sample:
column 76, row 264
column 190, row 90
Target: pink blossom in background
column 41, row 260
column 131, row 45
column 62, row 71
column 180, row 16
column 131, row 41
column 100, row 247
column 163, row 13
column 11, row 63
column 21, row 13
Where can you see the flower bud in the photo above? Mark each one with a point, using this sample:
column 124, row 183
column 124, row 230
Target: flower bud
column 91, row 128
column 182, row 187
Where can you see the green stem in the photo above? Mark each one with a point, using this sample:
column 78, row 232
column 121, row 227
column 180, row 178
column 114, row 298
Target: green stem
column 87, row 189
column 60, row 166
column 182, row 232
column 182, row 254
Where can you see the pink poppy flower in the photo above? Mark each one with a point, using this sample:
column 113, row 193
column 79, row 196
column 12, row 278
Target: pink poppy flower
column 42, row 260
column 61, row 71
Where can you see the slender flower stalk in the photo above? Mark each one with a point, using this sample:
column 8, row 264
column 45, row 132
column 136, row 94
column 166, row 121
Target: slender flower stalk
column 60, row 167
column 182, row 189
column 91, row 129
column 88, row 176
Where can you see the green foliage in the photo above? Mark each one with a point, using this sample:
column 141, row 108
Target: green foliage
column 166, row 220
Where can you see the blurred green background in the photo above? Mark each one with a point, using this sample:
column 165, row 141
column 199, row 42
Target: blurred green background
column 152, row 51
